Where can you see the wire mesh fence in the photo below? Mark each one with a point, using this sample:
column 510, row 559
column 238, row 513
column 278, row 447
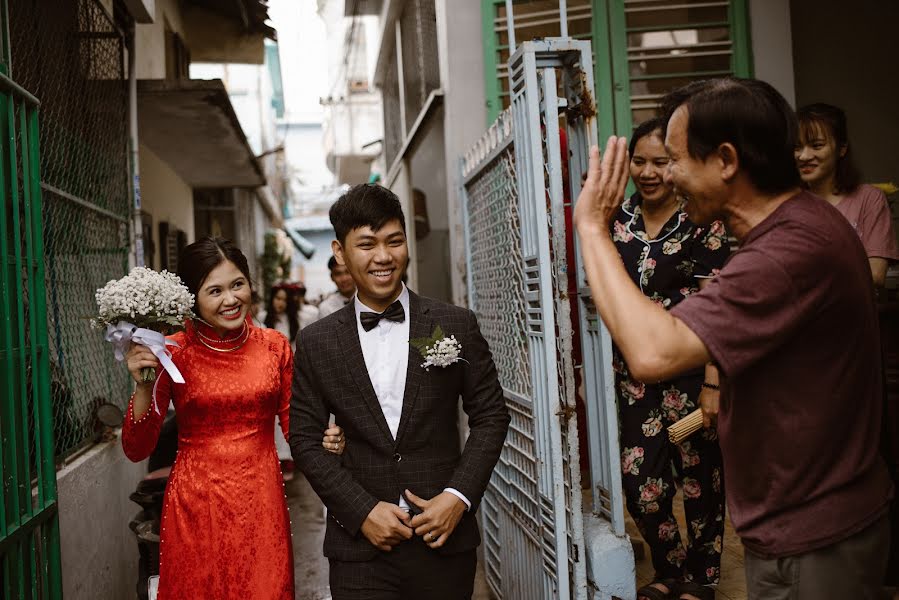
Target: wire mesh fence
column 70, row 54
column 496, row 265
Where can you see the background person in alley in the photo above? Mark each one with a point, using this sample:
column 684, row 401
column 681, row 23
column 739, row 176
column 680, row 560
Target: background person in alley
column 345, row 289
column 800, row 415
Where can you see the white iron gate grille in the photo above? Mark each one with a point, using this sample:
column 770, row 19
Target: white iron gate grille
column 515, row 215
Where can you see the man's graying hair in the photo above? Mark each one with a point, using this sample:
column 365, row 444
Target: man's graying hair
column 749, row 114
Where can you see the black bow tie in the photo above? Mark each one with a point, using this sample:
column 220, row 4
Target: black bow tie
column 393, row 313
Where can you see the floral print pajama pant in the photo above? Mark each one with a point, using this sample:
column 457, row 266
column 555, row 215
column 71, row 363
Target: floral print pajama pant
column 651, row 468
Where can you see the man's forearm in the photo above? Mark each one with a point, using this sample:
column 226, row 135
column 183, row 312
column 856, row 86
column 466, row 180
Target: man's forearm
column 334, row 484
column 345, row 498
column 655, row 345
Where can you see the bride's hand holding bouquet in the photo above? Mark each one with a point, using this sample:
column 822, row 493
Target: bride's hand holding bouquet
column 137, row 310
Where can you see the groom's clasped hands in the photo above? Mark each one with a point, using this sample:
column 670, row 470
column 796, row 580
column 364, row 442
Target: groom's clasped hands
column 387, row 525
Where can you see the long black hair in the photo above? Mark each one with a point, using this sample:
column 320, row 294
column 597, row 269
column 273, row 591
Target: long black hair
column 293, row 309
column 197, row 260
column 820, row 118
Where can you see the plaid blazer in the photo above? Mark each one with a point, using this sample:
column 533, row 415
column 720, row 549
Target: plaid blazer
column 330, row 376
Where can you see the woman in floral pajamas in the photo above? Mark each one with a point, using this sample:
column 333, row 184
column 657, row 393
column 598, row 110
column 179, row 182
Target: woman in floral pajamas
column 668, row 257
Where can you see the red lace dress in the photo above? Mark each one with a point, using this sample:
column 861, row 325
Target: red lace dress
column 225, row 531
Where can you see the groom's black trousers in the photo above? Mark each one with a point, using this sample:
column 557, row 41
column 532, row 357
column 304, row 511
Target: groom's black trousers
column 411, row 570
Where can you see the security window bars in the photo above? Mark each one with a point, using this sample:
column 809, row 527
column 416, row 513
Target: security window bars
column 532, row 19
column 670, row 44
column 642, row 48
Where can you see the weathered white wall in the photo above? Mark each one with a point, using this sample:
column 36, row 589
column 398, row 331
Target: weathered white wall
column 428, row 167
column 461, row 51
column 150, row 40
column 401, row 185
column 99, row 551
column 165, row 196
column 845, row 54
column 772, row 45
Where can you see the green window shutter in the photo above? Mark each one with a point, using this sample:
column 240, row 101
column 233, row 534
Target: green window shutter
column 533, row 19
column 642, row 48
column 659, row 45
column 742, row 42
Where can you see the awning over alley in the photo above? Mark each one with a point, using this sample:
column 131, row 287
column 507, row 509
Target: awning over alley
column 191, row 125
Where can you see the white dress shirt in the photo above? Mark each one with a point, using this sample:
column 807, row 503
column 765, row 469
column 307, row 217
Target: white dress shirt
column 386, row 352
column 332, row 303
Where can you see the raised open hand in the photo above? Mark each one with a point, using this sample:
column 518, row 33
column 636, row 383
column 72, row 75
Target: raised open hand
column 603, row 190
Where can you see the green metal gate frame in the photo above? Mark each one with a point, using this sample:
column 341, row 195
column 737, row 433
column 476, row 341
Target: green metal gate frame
column 29, row 526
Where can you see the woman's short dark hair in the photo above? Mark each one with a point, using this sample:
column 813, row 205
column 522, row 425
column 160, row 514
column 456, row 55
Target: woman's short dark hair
column 365, row 205
column 293, row 309
column 197, row 260
column 644, row 129
column 818, row 118
column 751, row 115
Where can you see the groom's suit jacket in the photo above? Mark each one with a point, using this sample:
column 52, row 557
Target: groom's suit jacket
column 330, row 376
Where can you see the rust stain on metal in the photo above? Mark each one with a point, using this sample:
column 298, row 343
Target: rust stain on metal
column 566, row 412
column 586, row 108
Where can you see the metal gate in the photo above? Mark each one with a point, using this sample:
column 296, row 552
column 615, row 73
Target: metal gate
column 29, row 529
column 517, row 194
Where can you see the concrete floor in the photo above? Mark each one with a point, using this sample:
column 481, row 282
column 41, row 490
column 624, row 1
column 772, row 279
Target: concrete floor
column 307, row 519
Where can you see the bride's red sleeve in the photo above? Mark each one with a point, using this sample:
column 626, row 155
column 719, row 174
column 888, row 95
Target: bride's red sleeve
column 139, row 436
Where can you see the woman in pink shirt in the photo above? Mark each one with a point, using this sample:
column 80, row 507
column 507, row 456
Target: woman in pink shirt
column 825, row 164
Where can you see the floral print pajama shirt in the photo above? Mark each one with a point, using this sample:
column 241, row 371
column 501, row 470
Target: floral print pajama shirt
column 667, row 269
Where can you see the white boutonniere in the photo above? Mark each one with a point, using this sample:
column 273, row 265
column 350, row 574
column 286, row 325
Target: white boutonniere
column 438, row 350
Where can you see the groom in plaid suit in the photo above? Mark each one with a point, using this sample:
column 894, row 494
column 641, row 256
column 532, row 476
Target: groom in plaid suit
column 403, row 496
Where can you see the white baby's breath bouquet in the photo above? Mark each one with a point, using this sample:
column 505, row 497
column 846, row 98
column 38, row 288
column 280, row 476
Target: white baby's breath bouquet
column 140, row 308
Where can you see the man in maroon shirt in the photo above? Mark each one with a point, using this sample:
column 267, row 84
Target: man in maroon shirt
column 791, row 324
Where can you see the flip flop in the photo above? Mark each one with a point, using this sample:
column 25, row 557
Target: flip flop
column 654, row 593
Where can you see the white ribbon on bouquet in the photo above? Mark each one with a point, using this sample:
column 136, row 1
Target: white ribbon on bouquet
column 123, row 333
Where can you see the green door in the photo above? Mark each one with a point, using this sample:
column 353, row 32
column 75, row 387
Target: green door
column 29, row 528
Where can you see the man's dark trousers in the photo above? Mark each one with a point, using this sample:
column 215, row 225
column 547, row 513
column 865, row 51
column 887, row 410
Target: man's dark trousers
column 410, row 570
